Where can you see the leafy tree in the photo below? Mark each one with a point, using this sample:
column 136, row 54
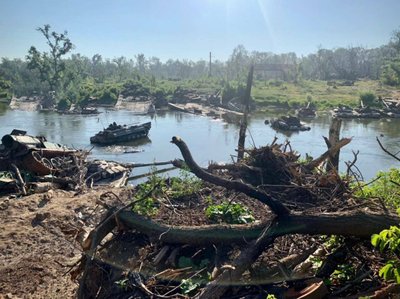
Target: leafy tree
column 391, row 71
column 238, row 63
column 5, row 87
column 50, row 64
column 368, row 98
column 141, row 63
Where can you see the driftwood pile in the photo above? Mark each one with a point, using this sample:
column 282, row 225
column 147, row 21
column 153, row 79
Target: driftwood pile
column 132, row 256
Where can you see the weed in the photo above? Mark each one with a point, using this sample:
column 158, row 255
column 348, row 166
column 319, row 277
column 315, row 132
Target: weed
column 184, row 185
column 188, row 286
column 233, row 213
column 389, row 240
column 343, row 273
column 385, row 187
column 147, row 192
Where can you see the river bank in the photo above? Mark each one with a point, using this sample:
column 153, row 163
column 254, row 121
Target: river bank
column 221, row 137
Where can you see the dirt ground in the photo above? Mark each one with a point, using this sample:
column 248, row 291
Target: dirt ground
column 39, row 239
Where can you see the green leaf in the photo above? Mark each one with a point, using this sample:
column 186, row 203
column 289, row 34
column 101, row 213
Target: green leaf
column 387, row 271
column 375, row 239
column 396, row 273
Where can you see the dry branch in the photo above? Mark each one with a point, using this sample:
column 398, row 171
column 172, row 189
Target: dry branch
column 329, row 153
column 386, row 151
column 273, row 204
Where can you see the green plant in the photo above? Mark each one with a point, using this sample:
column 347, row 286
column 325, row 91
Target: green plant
column 184, row 185
column 343, row 273
column 333, row 241
column 389, row 240
column 63, row 104
column 384, row 186
column 123, row 283
column 188, row 286
column 271, row 296
column 229, row 212
column 147, row 192
column 368, row 98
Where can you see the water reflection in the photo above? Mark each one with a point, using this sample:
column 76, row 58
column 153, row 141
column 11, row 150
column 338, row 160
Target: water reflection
column 207, row 138
column 133, row 143
column 3, row 108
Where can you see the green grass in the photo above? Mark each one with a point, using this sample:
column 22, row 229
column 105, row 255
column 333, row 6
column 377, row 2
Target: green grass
column 324, row 96
column 203, row 85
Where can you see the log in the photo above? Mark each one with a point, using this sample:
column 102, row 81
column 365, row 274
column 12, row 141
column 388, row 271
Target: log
column 243, row 124
column 217, row 287
column 136, row 165
column 196, row 235
column 330, row 152
column 139, row 176
column 289, row 225
column 345, row 224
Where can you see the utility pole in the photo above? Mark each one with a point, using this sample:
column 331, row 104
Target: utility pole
column 209, row 70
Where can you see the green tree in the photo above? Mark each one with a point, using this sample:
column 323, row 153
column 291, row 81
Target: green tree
column 5, row 88
column 391, row 71
column 50, row 64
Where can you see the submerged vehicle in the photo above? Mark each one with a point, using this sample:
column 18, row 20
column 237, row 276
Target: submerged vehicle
column 343, row 111
column 308, row 111
column 116, row 133
column 288, row 123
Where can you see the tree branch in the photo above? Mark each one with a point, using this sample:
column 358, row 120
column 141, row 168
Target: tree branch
column 276, row 207
column 386, row 151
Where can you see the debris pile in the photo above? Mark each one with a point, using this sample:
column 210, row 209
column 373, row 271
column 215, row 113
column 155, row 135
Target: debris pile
column 177, row 251
column 182, row 95
column 32, row 164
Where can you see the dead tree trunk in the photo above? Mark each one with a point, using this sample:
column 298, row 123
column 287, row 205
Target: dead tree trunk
column 286, row 222
column 243, row 125
column 334, row 132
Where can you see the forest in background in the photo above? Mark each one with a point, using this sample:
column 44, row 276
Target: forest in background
column 75, row 78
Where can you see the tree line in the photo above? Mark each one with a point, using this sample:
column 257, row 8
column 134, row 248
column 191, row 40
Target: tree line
column 75, row 75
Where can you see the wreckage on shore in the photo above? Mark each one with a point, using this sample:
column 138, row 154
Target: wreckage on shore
column 32, row 163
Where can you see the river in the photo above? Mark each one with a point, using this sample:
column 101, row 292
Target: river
column 208, row 139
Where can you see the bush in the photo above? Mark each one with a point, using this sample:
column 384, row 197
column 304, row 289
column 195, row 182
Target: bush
column 384, row 187
column 368, row 98
column 63, row 104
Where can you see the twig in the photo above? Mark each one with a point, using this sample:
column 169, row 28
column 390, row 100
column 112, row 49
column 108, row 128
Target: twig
column 132, row 178
column 386, row 151
column 350, row 284
column 350, row 165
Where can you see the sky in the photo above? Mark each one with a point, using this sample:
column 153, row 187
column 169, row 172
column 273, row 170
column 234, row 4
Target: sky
column 190, row 29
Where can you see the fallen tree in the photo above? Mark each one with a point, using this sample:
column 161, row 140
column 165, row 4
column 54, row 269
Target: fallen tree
column 318, row 188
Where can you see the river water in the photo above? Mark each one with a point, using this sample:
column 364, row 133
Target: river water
column 208, row 139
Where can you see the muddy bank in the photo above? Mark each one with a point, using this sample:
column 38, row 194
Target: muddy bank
column 40, row 238
column 26, row 103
